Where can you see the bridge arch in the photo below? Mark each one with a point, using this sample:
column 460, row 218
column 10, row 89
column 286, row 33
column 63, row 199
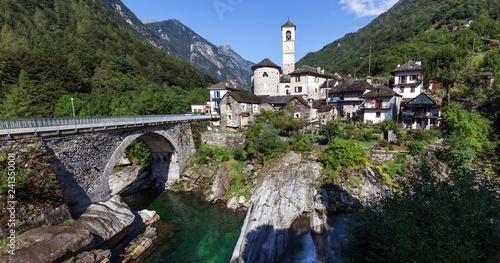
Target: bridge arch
column 164, row 156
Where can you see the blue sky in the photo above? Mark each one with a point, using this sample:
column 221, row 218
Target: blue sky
column 253, row 27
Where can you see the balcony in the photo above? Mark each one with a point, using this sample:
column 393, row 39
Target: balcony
column 428, row 114
column 378, row 105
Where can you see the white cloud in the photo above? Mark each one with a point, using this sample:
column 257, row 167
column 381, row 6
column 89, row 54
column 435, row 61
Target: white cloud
column 367, row 7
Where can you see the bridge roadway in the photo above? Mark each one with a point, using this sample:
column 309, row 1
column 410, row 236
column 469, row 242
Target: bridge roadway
column 10, row 128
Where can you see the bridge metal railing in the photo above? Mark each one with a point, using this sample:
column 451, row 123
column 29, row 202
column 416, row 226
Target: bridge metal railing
column 34, row 125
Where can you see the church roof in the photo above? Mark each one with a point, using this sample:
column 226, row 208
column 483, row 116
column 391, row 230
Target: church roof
column 265, row 63
column 408, row 66
column 380, row 92
column 288, row 24
column 285, row 78
column 313, row 71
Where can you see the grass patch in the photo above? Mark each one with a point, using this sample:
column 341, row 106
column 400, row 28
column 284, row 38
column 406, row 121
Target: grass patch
column 362, row 144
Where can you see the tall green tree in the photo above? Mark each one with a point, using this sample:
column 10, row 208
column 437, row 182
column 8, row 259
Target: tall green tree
column 446, row 65
column 18, row 99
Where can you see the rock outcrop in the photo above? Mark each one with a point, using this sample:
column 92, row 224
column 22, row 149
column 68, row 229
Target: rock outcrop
column 107, row 221
column 286, row 192
column 103, row 223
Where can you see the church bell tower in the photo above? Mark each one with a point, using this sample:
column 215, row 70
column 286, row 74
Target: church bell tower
column 288, row 46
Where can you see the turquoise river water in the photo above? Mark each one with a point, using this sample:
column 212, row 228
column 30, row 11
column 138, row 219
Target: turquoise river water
column 191, row 229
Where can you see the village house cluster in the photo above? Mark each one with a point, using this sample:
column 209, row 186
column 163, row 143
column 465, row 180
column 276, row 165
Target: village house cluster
column 317, row 96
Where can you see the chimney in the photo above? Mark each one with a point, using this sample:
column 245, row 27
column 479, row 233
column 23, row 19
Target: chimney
column 369, row 79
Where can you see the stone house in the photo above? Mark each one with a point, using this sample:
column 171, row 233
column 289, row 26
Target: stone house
column 326, row 111
column 408, row 80
column 294, row 106
column 347, row 96
column 380, row 104
column 422, row 112
column 237, row 109
column 217, row 91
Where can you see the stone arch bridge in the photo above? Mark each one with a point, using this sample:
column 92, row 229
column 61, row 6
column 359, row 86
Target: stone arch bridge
column 87, row 149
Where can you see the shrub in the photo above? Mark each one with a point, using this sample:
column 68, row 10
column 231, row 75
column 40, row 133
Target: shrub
column 458, row 152
column 388, row 125
column 239, row 154
column 401, row 158
column 365, row 135
column 330, row 130
column 265, row 143
column 220, row 154
column 415, row 148
column 139, row 153
column 423, row 135
column 343, row 154
column 238, row 166
column 391, row 168
column 302, row 144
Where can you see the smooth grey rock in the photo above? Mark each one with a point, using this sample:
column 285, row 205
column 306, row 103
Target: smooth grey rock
column 281, row 196
column 123, row 178
column 233, row 203
column 108, row 220
column 221, row 184
column 50, row 244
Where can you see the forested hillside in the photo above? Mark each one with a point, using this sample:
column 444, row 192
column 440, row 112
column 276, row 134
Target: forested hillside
column 53, row 50
column 411, row 29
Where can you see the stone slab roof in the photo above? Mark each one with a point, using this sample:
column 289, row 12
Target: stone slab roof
column 244, row 97
column 314, row 72
column 351, row 85
column 380, row 92
column 265, row 63
column 423, row 99
column 281, row 100
column 322, row 106
column 224, row 86
column 408, row 66
column 288, row 24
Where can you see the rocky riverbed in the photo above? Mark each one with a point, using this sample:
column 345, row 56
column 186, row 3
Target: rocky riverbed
column 100, row 229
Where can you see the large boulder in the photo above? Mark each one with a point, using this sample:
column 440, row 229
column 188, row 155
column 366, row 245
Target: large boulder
column 109, row 221
column 104, row 223
column 50, row 244
column 285, row 193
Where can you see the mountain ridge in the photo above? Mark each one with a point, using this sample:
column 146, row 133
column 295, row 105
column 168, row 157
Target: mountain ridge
column 220, row 61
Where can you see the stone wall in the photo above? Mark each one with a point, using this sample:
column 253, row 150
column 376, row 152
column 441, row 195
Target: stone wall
column 224, row 140
column 36, row 192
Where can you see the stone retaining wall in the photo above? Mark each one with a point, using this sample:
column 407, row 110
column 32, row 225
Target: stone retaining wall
column 224, row 140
